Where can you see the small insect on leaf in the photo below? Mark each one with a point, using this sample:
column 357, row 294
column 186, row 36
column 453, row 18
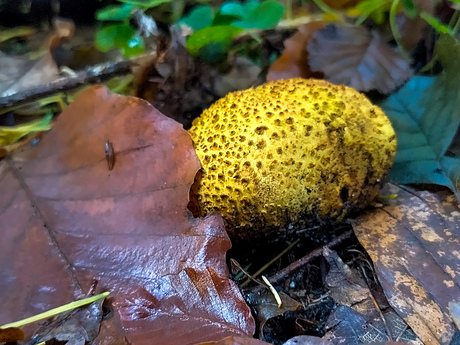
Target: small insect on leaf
column 109, row 155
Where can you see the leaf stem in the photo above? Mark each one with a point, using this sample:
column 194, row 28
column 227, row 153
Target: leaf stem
column 394, row 26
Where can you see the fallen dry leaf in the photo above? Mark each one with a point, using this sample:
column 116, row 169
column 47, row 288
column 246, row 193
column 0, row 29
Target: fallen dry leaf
column 414, row 242
column 413, row 30
column 67, row 219
column 363, row 321
column 266, row 307
column 18, row 73
column 346, row 287
column 353, row 56
column 294, row 60
column 347, row 326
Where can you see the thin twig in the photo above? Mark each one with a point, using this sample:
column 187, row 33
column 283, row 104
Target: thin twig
column 237, row 264
column 263, row 268
column 387, row 329
column 94, row 75
column 285, row 272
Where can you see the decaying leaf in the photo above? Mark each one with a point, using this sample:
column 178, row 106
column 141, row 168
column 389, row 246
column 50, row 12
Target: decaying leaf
column 307, row 340
column 11, row 334
column 366, row 320
column 412, row 30
column 353, row 56
column 19, row 73
column 243, row 75
column 346, row 286
column 346, row 326
column 236, row 341
column 67, row 219
column 294, row 60
column 424, row 114
column 75, row 327
column 414, row 243
column 266, row 306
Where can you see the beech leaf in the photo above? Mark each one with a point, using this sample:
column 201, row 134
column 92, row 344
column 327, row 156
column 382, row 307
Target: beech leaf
column 294, row 60
column 424, row 114
column 18, row 73
column 413, row 242
column 353, row 56
column 67, row 219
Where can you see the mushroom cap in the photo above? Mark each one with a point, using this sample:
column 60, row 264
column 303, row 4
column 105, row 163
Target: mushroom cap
column 290, row 147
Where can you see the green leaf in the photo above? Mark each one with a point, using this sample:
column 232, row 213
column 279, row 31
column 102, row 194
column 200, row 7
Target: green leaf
column 425, row 116
column 374, row 9
column 435, row 23
column 146, row 3
column 199, row 18
column 115, row 13
column 219, row 36
column 233, row 8
column 228, row 13
column 214, row 52
column 262, row 16
column 409, row 8
column 212, row 43
column 122, row 36
column 250, row 6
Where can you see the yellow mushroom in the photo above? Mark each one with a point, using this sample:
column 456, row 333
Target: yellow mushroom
column 290, row 147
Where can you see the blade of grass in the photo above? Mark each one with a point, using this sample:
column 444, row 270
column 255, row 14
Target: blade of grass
column 55, row 311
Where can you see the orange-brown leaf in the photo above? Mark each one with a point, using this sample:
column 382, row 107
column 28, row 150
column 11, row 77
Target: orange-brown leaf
column 294, row 60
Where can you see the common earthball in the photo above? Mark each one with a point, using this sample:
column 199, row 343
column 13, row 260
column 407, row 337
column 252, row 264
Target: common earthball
column 288, row 148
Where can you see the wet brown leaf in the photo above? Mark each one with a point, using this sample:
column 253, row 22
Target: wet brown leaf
column 294, row 60
column 236, row 341
column 414, row 243
column 67, row 219
column 353, row 56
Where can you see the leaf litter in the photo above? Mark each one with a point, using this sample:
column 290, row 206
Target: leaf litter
column 143, row 305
